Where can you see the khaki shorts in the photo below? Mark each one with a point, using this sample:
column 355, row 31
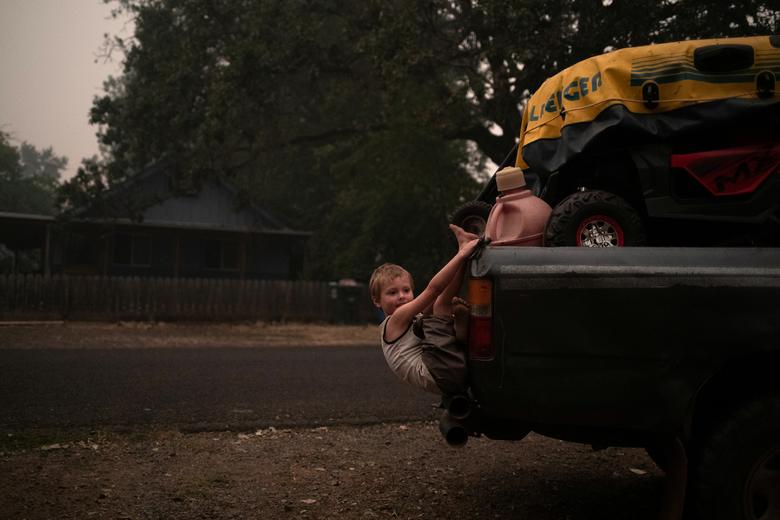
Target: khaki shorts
column 442, row 355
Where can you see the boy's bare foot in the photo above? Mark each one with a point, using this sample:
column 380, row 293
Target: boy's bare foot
column 461, row 235
column 460, row 313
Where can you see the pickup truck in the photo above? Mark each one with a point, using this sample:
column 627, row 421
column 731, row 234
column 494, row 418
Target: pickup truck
column 633, row 347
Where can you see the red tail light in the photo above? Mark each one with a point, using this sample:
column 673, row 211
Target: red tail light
column 480, row 297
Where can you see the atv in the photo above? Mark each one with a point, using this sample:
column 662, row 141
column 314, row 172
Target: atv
column 674, row 144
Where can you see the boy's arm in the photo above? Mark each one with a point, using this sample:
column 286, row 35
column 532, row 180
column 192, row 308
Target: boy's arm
column 399, row 321
column 442, row 306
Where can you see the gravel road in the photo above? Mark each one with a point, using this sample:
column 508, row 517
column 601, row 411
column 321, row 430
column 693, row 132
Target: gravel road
column 389, row 470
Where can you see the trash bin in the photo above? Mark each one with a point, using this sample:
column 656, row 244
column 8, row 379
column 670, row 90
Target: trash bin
column 346, row 301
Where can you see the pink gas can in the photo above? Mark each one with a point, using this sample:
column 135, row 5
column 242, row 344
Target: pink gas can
column 518, row 216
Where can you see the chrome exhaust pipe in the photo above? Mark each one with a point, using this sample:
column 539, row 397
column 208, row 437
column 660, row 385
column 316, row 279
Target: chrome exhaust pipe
column 453, row 430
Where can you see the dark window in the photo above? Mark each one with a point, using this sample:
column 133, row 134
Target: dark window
column 79, row 249
column 229, row 255
column 221, row 254
column 123, row 249
column 142, row 251
column 213, row 254
column 132, row 250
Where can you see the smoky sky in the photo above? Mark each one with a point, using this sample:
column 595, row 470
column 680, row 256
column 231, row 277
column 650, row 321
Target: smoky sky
column 50, row 70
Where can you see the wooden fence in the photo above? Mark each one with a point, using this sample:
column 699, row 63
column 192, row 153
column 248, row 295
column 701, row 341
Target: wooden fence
column 111, row 298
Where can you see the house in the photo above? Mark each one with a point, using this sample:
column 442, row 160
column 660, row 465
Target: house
column 199, row 234
column 24, row 242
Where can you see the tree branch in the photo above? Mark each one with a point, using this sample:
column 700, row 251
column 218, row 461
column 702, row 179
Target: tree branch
column 494, row 146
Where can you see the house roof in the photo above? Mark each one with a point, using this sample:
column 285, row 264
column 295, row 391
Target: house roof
column 33, row 217
column 212, row 207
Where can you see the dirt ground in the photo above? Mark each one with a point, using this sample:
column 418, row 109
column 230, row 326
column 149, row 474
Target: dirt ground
column 354, row 472
column 380, row 471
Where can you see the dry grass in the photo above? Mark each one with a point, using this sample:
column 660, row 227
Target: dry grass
column 81, row 335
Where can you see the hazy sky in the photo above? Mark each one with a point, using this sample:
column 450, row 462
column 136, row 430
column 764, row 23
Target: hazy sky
column 48, row 72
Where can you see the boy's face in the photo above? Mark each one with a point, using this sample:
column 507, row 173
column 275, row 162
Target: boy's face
column 395, row 293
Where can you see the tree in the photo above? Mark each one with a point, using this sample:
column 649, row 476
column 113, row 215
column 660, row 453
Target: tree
column 277, row 97
column 9, row 157
column 332, row 113
column 29, row 178
column 489, row 56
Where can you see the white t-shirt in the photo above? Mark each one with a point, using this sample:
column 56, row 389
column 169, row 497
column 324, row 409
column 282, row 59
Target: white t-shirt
column 404, row 357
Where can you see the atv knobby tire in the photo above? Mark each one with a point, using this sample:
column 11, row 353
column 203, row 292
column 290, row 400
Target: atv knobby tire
column 472, row 216
column 737, row 473
column 594, row 219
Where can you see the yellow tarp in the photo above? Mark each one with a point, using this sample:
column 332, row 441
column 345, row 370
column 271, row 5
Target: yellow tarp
column 587, row 88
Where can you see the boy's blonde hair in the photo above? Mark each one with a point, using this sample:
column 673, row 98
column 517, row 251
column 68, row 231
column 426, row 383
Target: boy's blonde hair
column 383, row 274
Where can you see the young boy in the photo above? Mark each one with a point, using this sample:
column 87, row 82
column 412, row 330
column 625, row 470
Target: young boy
column 418, row 335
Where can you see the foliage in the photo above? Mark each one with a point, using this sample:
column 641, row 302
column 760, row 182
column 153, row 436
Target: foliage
column 489, row 56
column 362, row 121
column 391, row 210
column 29, row 177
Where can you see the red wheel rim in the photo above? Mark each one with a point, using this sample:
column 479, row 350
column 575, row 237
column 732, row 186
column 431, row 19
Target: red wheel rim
column 600, row 231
